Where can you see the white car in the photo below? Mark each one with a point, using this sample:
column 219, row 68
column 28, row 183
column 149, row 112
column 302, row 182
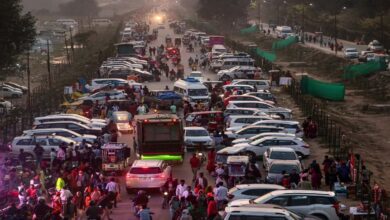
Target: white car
column 375, row 46
column 265, row 95
column 260, row 85
column 252, row 191
column 321, row 204
column 243, row 111
column 351, row 53
column 15, row 85
column 28, row 143
column 196, row 137
column 276, row 168
column 236, row 72
column 246, row 98
column 256, row 137
column 239, row 88
column 61, row 132
column 147, row 174
column 8, row 92
column 250, row 131
column 284, row 113
column 6, row 105
column 292, row 127
column 278, row 153
column 101, row 95
column 243, row 120
column 197, row 75
column 258, row 147
column 66, row 117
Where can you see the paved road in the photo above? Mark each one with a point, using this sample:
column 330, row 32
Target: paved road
column 346, row 44
column 182, row 171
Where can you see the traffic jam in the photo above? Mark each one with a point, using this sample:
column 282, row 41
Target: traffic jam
column 176, row 117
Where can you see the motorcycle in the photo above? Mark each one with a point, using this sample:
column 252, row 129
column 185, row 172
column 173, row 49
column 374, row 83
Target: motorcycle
column 165, row 200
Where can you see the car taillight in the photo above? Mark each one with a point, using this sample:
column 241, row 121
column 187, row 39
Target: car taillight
column 305, row 146
column 336, row 206
column 162, row 176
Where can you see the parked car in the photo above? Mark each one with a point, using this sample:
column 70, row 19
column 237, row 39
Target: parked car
column 275, row 169
column 292, row 127
column 321, row 204
column 61, row 132
column 244, row 98
column 8, row 92
column 71, row 125
column 15, row 85
column 262, row 135
column 284, row 113
column 278, row 153
column 375, row 46
column 197, row 137
column 147, row 174
column 258, row 84
column 28, row 143
column 265, row 95
column 252, row 191
column 244, row 120
column 351, row 53
column 237, row 72
column 250, row 131
column 243, row 111
column 101, row 95
column 197, row 75
column 66, row 117
column 263, row 212
column 162, row 98
column 258, row 147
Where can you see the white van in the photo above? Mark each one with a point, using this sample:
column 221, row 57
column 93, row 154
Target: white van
column 67, row 22
column 231, row 62
column 258, row 84
column 101, row 22
column 284, row 32
column 192, row 90
column 218, row 49
column 99, row 83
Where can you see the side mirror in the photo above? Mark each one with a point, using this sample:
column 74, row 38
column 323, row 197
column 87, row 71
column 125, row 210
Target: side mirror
column 300, row 157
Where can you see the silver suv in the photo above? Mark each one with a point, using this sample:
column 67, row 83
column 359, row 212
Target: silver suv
column 322, row 204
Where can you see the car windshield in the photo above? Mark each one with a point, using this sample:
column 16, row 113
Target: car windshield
column 351, row 50
column 279, row 155
column 121, row 118
column 278, row 168
column 196, row 133
column 145, row 170
column 198, row 92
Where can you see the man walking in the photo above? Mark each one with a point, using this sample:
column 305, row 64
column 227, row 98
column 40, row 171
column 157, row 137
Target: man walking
column 195, row 165
column 38, row 151
column 113, row 190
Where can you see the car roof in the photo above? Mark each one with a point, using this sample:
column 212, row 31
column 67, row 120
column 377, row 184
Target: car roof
column 280, row 137
column 205, row 112
column 64, row 139
column 259, row 186
column 247, row 116
column 147, row 163
column 295, row 191
column 259, row 126
column 246, row 101
column 263, row 208
column 281, row 149
column 48, row 129
column 280, row 122
column 69, row 122
column 195, row 128
column 250, row 80
column 285, row 162
column 250, row 109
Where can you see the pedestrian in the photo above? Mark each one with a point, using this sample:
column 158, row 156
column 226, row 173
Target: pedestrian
column 113, row 189
column 195, row 165
column 326, row 168
column 211, row 155
column 180, row 189
column 201, row 181
column 93, row 212
column 316, row 176
column 173, row 108
column 38, row 151
column 294, row 179
column 212, row 210
column 53, row 156
column 221, row 194
column 144, row 213
column 106, row 204
column 174, row 206
column 141, row 110
column 70, row 210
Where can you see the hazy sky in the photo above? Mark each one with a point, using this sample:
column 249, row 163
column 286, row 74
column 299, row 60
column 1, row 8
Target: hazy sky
column 40, row 4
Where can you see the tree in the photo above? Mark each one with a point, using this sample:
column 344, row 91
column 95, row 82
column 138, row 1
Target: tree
column 80, row 8
column 224, row 11
column 17, row 33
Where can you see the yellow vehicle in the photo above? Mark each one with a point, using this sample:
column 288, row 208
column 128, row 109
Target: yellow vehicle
column 115, row 157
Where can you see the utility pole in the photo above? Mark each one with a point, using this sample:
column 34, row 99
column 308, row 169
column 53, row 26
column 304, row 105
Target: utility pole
column 48, row 63
column 71, row 42
column 335, row 33
column 303, row 22
column 67, row 51
column 259, row 11
column 29, row 86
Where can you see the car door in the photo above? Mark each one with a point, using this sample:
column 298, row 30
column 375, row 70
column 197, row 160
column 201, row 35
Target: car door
column 262, row 147
column 287, row 143
column 247, row 133
column 300, row 204
column 279, row 200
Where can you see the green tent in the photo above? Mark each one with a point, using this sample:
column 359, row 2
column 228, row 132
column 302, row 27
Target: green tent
column 271, row 57
column 357, row 70
column 249, row 30
column 324, row 90
column 284, row 43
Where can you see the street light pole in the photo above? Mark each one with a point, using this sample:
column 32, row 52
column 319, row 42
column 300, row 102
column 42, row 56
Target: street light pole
column 303, row 22
column 335, row 33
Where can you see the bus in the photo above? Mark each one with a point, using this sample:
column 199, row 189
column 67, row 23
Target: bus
column 159, row 137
